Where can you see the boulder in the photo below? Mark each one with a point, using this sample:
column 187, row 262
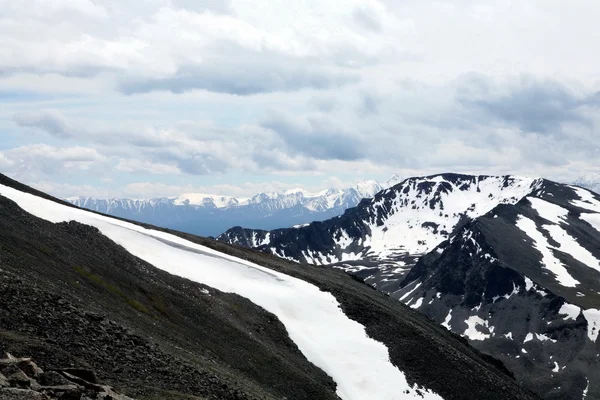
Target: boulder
column 53, row 378
column 19, row 379
column 30, row 368
column 21, row 394
column 85, row 374
column 3, row 382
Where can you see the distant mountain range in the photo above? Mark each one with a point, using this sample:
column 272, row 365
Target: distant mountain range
column 160, row 314
column 510, row 263
column 589, row 181
column 211, row 215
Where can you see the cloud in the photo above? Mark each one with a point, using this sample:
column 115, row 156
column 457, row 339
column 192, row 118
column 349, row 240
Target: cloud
column 43, row 159
column 315, row 136
column 146, row 166
column 260, row 72
column 367, row 18
column 216, row 6
column 532, row 105
column 50, row 121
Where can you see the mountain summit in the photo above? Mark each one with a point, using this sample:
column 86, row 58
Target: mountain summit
column 510, row 263
column 162, row 314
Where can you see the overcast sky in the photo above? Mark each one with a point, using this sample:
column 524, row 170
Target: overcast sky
column 160, row 97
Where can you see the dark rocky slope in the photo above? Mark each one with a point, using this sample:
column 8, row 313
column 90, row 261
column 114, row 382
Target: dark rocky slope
column 71, row 297
column 489, row 277
column 22, row 379
column 521, row 281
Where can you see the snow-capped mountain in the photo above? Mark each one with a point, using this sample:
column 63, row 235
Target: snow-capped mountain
column 396, row 226
column 164, row 314
column 589, row 181
column 510, row 263
column 210, row 215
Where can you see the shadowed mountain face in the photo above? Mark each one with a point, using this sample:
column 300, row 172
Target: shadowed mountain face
column 512, row 264
column 72, row 297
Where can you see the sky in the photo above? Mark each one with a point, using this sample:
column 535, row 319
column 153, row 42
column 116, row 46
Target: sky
column 157, row 98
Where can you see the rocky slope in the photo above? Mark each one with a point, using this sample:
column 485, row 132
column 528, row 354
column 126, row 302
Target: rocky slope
column 512, row 264
column 25, row 380
column 210, row 215
column 72, row 297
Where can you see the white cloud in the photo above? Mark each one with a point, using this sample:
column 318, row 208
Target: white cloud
column 43, row 159
column 314, row 90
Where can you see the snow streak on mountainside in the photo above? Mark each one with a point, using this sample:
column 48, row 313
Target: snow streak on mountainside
column 523, row 284
column 512, row 264
column 394, row 228
column 210, row 215
column 326, row 336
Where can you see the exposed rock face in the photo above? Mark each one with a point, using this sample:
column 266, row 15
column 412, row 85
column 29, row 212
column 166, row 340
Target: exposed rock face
column 21, row 378
column 511, row 264
column 72, row 298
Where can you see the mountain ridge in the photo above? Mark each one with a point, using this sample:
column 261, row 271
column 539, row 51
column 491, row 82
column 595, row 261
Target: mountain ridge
column 63, row 281
column 502, row 247
column 210, row 215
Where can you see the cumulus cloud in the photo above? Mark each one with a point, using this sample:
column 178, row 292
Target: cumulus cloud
column 177, row 90
column 530, row 104
column 268, row 75
column 50, row 121
column 216, row 6
column 316, row 136
column 43, row 159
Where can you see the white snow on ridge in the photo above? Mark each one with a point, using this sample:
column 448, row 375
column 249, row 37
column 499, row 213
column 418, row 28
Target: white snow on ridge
column 446, row 323
column 592, row 219
column 586, row 200
column 404, row 222
column 472, row 333
column 567, row 243
column 549, row 261
column 359, row 365
column 571, row 311
column 593, row 319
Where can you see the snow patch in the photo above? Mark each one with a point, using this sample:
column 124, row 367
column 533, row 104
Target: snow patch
column 446, row 323
column 359, row 365
column 586, row 200
column 418, row 303
column 592, row 316
column 549, row 261
column 528, row 283
column 472, row 333
column 571, row 311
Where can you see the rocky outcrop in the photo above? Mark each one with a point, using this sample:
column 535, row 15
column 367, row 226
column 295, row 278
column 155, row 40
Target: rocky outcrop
column 21, row 378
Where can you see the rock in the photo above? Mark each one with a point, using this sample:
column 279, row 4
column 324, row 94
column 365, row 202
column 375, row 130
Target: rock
column 85, row 374
column 108, row 394
column 53, row 378
column 9, row 369
column 19, row 379
column 65, row 392
column 21, row 394
column 30, row 368
column 82, row 382
column 3, row 382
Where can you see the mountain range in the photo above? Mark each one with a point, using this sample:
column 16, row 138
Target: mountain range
column 160, row 314
column 211, row 215
column 512, row 264
column 589, row 181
